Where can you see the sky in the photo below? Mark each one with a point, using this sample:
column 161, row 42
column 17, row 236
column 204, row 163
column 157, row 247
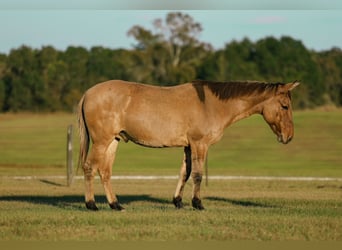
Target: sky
column 317, row 29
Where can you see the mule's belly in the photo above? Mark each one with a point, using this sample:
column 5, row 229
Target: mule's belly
column 153, row 135
column 153, row 142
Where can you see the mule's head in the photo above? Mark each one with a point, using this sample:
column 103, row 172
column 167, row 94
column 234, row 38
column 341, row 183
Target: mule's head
column 277, row 112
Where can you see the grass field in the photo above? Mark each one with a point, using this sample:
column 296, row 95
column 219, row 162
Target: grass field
column 36, row 145
column 45, row 208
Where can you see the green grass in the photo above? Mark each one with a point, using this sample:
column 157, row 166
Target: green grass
column 36, row 144
column 34, row 139
column 235, row 210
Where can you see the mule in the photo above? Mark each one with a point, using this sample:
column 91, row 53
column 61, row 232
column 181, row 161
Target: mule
column 191, row 115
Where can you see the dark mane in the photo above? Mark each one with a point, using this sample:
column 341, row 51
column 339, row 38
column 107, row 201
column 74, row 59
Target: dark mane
column 227, row 90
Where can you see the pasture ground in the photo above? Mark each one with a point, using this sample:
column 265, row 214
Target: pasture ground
column 46, row 209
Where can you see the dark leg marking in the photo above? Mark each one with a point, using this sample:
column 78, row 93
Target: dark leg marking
column 116, row 206
column 177, row 201
column 187, row 151
column 197, row 178
column 197, row 204
column 91, row 205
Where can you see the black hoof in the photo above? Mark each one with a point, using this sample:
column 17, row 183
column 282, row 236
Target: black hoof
column 197, row 204
column 177, row 201
column 116, row 206
column 91, row 205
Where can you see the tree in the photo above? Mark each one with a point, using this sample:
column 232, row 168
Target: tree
column 56, row 76
column 24, row 86
column 172, row 53
column 330, row 63
column 234, row 62
column 2, row 83
column 76, row 82
column 287, row 60
column 105, row 64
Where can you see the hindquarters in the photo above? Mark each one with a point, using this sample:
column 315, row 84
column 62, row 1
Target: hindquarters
column 99, row 116
column 104, row 108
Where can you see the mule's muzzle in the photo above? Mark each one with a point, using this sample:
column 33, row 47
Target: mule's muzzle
column 284, row 139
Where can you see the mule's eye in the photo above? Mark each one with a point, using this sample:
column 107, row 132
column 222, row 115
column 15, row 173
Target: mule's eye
column 285, row 107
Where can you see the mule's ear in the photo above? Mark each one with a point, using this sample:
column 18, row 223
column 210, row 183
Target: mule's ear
column 292, row 85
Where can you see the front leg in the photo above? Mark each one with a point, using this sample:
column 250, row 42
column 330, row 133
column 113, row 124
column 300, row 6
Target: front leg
column 196, row 200
column 198, row 159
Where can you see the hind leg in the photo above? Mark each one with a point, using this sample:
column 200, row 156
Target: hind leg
column 183, row 177
column 105, row 172
column 100, row 160
column 90, row 168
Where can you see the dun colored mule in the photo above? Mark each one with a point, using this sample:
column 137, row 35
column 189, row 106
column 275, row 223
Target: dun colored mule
column 192, row 115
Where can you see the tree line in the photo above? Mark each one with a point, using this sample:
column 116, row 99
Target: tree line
column 48, row 79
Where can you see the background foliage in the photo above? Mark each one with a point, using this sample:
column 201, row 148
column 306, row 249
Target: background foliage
column 47, row 79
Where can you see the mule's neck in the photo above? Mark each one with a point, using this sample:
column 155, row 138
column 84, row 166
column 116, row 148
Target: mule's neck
column 240, row 108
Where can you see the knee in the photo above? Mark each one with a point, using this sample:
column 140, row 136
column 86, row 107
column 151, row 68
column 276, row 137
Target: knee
column 87, row 168
column 197, row 177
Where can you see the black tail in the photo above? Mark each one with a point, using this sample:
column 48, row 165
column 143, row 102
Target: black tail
column 84, row 135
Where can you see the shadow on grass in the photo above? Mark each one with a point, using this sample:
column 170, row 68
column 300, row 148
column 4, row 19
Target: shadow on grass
column 51, row 183
column 242, row 203
column 76, row 202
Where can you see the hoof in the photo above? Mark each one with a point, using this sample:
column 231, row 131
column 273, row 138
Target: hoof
column 177, row 201
column 116, row 206
column 91, row 205
column 197, row 204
